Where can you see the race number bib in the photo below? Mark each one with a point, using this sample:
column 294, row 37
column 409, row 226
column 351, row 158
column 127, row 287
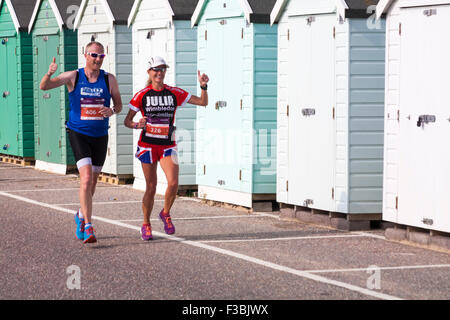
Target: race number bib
column 159, row 131
column 90, row 108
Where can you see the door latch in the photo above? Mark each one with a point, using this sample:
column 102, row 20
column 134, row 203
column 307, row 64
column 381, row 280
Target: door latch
column 5, row 94
column 220, row 104
column 425, row 119
column 308, row 112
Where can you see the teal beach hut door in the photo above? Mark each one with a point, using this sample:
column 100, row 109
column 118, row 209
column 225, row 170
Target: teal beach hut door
column 8, row 96
column 222, row 156
column 49, row 135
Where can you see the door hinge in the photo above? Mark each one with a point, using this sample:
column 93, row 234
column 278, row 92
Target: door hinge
column 241, row 104
column 206, row 34
column 288, row 34
column 332, row 193
column 334, row 32
column 150, row 34
column 400, row 29
column 240, row 175
column 430, row 12
column 334, row 113
column 36, row 51
column 39, row 141
column 57, row 51
column 60, row 144
column 242, row 33
column 15, row 51
column 287, row 185
column 204, row 169
column 287, row 110
column 398, row 115
column 17, row 137
column 396, row 202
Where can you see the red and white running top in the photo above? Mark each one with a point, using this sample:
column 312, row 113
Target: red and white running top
column 159, row 108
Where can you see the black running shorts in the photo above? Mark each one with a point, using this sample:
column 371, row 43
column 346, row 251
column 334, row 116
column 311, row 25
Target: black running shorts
column 88, row 150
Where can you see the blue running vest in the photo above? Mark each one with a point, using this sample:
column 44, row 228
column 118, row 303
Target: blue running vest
column 85, row 102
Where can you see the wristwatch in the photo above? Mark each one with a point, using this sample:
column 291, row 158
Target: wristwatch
column 205, row 87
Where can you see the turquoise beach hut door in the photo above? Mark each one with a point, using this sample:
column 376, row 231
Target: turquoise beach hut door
column 49, row 136
column 222, row 157
column 8, row 98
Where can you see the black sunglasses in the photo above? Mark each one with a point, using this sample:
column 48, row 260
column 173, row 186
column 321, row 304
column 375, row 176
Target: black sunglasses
column 162, row 69
column 95, row 55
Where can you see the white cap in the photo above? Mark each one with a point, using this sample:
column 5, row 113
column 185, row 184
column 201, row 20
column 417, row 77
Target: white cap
column 156, row 62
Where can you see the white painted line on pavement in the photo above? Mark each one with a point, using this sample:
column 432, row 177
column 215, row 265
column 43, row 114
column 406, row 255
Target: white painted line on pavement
column 197, row 218
column 381, row 268
column 371, row 235
column 284, row 238
column 105, row 202
column 267, row 264
column 58, row 189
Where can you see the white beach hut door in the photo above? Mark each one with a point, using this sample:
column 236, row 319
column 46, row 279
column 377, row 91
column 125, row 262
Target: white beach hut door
column 110, row 165
column 151, row 42
column 424, row 171
column 311, row 124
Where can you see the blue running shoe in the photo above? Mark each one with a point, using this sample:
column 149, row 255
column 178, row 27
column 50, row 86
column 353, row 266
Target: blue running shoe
column 80, row 226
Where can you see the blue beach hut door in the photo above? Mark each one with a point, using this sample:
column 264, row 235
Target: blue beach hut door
column 222, row 126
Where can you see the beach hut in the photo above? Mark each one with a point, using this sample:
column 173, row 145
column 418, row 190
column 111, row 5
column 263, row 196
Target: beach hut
column 162, row 28
column 105, row 21
column 16, row 82
column 417, row 167
column 236, row 132
column 52, row 36
column 330, row 106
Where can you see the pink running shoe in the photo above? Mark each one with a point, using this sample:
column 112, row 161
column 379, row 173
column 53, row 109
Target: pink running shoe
column 146, row 232
column 169, row 228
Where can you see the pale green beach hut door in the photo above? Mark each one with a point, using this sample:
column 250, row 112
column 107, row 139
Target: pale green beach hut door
column 49, row 135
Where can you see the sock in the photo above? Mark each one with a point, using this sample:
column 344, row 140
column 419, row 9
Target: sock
column 80, row 215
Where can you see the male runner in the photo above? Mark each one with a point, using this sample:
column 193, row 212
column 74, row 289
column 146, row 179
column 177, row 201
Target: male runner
column 90, row 92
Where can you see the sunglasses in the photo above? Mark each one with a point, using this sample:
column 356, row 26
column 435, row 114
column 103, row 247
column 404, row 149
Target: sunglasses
column 162, row 69
column 95, row 55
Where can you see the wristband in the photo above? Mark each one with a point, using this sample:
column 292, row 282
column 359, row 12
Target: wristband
column 205, row 87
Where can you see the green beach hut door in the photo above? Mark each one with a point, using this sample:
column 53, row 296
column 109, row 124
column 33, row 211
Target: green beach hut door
column 8, row 96
column 222, row 123
column 49, row 108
